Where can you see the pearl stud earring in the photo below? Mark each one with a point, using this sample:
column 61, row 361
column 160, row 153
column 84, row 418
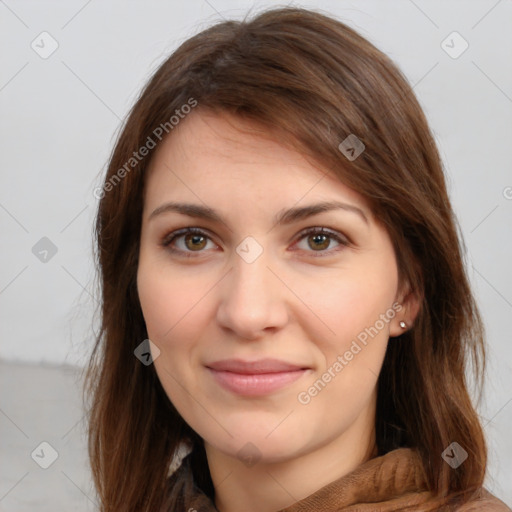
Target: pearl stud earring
column 402, row 324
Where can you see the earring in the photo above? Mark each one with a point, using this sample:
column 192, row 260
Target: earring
column 402, row 324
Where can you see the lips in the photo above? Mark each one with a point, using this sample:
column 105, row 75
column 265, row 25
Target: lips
column 253, row 378
column 254, row 367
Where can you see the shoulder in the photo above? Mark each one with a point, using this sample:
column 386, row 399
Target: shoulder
column 486, row 501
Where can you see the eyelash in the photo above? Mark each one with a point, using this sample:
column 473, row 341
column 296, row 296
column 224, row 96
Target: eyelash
column 171, row 237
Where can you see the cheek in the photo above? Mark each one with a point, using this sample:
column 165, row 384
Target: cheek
column 350, row 358
column 353, row 304
column 358, row 311
column 168, row 300
column 172, row 309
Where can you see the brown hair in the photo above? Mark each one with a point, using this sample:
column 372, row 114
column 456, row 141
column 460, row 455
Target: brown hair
column 315, row 81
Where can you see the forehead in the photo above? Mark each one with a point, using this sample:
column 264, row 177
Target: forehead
column 224, row 156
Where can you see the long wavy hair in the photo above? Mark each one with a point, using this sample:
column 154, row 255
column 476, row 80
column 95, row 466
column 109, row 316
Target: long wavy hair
column 313, row 81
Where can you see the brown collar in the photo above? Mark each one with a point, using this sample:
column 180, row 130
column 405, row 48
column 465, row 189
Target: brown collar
column 393, row 478
column 392, row 482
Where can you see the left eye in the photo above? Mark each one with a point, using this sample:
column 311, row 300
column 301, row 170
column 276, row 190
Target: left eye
column 319, row 239
column 195, row 240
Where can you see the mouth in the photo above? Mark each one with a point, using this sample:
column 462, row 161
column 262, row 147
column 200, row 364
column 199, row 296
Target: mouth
column 255, row 378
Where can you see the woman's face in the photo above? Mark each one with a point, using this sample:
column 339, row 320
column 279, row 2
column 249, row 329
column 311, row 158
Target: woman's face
column 271, row 338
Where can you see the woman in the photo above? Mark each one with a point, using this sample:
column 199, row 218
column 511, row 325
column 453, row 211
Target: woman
column 275, row 220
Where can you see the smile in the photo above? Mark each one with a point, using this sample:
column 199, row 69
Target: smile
column 254, row 378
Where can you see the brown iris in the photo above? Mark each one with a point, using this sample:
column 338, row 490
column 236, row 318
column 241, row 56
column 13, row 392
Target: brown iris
column 319, row 239
column 197, row 241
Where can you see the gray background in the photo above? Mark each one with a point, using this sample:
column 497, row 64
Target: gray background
column 59, row 118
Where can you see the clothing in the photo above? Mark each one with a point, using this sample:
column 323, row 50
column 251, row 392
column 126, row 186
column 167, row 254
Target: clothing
column 392, row 482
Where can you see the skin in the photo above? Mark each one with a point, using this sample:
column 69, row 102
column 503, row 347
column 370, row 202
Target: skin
column 304, row 300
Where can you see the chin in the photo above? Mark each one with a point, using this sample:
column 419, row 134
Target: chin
column 253, row 446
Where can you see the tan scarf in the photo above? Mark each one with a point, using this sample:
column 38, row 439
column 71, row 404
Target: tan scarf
column 392, row 482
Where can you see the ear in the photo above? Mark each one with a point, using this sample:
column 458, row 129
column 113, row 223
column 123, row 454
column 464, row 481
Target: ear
column 410, row 302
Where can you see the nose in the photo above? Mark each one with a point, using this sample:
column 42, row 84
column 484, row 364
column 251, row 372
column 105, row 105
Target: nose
column 253, row 299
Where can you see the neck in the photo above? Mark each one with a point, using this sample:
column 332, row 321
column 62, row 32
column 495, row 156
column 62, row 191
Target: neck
column 269, row 487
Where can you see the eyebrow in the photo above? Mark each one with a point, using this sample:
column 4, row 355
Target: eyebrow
column 282, row 218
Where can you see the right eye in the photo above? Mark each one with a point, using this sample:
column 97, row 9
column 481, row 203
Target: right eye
column 191, row 239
